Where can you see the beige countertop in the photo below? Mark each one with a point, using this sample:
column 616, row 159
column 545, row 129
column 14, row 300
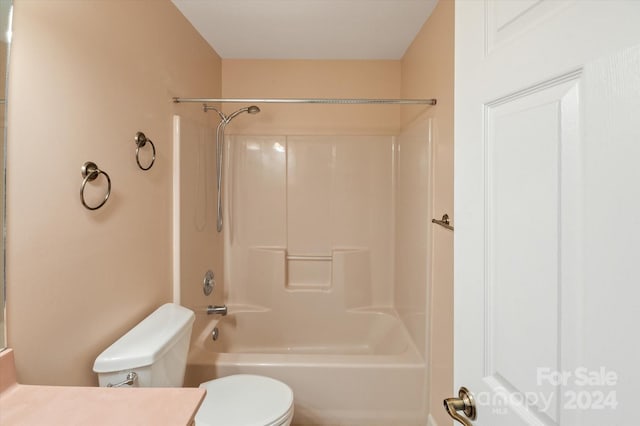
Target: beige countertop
column 67, row 405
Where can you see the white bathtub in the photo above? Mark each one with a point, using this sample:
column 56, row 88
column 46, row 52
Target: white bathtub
column 358, row 368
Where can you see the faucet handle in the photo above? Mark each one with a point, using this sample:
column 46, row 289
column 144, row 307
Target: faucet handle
column 217, row 310
column 209, row 282
column 129, row 380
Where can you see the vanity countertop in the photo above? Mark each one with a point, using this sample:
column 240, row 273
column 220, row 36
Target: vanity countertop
column 69, row 405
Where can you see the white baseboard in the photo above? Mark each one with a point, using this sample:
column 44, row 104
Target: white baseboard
column 431, row 422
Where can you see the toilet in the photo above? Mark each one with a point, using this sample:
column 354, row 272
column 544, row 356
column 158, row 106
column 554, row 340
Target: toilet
column 156, row 350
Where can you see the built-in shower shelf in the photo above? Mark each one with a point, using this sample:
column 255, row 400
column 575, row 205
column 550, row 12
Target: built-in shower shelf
column 309, row 272
column 280, row 279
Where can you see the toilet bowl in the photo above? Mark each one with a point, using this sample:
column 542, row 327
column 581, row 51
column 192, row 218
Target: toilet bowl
column 156, row 351
column 246, row 400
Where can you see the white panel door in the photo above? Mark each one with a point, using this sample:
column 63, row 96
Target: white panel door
column 547, row 210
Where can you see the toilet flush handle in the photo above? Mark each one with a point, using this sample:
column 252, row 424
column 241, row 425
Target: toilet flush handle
column 129, row 380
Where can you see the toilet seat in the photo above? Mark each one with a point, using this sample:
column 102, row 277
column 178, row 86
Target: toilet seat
column 245, row 400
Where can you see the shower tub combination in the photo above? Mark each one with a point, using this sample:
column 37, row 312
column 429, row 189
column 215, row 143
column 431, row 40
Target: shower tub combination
column 309, row 258
column 360, row 368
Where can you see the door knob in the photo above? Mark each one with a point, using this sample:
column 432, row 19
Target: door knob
column 464, row 403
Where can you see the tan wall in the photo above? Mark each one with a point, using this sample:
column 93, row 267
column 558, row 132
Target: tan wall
column 314, row 79
column 85, row 76
column 427, row 71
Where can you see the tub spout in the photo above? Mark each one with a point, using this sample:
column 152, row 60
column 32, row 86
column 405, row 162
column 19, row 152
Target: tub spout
column 217, row 310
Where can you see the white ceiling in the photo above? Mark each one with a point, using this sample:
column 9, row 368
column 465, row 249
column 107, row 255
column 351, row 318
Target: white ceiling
column 308, row 29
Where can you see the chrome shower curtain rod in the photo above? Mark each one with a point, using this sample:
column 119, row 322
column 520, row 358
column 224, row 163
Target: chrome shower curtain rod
column 312, row 101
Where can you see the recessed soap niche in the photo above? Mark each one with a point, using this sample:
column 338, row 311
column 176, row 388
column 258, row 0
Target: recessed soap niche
column 308, row 272
column 277, row 277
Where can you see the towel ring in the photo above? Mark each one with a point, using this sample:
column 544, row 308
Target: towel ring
column 141, row 140
column 90, row 172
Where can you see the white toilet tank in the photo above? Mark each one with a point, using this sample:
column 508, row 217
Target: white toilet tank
column 156, row 349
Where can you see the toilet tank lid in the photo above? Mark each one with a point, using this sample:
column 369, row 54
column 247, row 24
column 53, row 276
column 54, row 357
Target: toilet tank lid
column 146, row 342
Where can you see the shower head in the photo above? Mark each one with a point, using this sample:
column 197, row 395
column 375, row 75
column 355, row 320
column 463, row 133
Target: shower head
column 226, row 119
column 251, row 110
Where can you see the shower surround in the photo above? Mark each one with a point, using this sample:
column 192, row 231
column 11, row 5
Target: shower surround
column 309, row 277
column 308, row 218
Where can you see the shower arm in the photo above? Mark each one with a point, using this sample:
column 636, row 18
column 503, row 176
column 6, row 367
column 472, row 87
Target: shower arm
column 227, row 118
column 206, row 108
